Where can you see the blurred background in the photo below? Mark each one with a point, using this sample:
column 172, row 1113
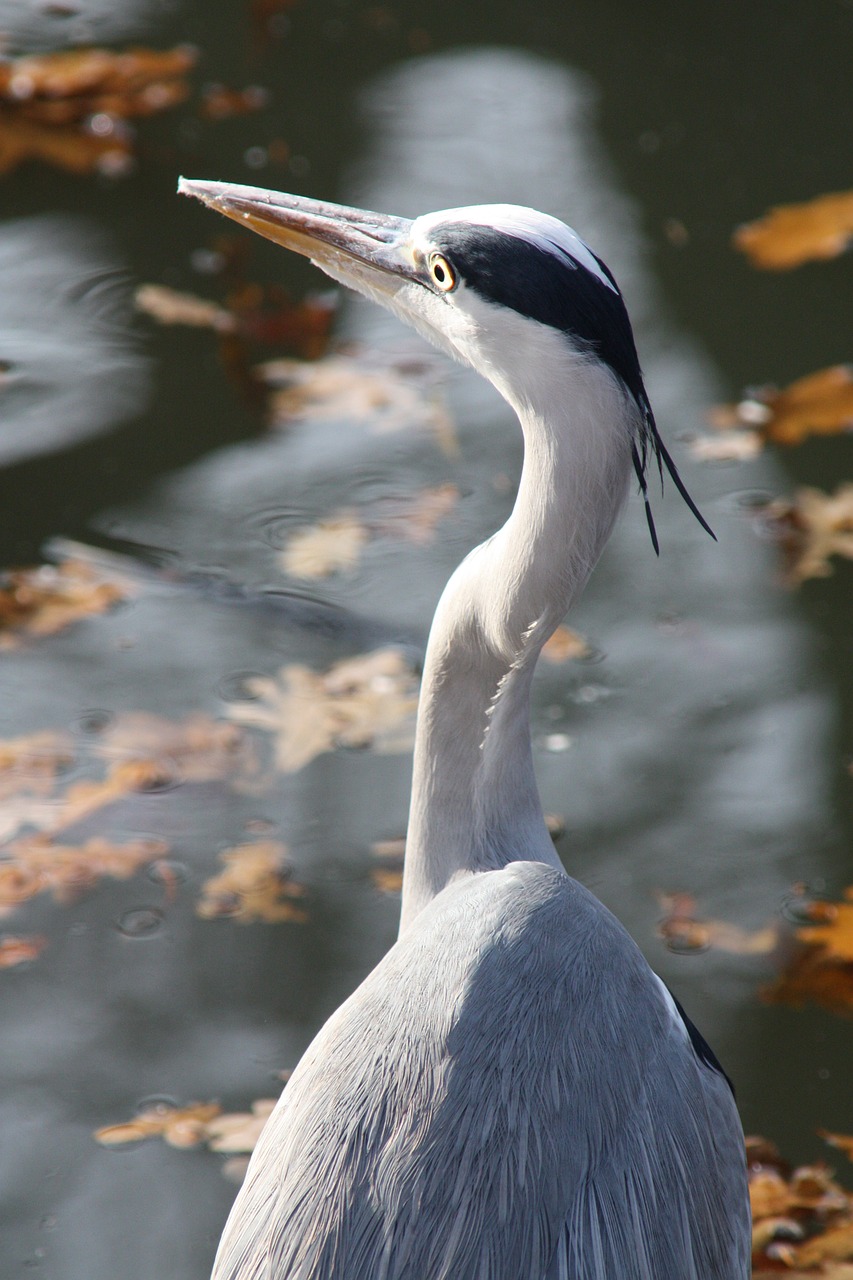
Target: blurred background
column 172, row 690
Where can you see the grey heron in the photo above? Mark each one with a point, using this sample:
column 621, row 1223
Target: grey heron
column 512, row 1093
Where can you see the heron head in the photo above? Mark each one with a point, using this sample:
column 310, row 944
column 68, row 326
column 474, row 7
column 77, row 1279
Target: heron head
column 459, row 276
column 500, row 287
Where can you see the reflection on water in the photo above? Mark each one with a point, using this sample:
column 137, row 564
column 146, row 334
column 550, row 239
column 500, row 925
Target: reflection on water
column 694, row 758
column 74, row 364
column 698, row 773
column 29, row 26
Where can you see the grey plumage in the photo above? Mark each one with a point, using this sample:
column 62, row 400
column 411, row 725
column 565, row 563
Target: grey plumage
column 490, row 1105
column 512, row 1094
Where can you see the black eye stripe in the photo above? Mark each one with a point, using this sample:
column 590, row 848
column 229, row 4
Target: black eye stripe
column 547, row 285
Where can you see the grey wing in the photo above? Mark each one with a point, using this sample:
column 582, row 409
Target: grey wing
column 671, row 1201
column 508, row 1096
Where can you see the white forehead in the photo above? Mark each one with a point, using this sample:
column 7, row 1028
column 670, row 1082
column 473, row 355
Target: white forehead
column 528, row 224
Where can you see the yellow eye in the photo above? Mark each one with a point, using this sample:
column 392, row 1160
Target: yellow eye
column 441, row 273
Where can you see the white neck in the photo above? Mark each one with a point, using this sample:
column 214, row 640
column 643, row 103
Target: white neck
column 475, row 805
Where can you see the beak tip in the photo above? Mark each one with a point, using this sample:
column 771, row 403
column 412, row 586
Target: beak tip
column 198, row 190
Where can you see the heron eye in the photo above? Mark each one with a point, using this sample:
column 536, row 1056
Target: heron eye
column 441, row 272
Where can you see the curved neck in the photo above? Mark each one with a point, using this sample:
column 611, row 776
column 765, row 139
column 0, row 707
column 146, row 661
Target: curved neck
column 475, row 804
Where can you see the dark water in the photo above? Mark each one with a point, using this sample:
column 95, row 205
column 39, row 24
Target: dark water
column 704, row 749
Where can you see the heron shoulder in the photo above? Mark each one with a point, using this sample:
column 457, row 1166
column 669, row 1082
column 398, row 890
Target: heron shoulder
column 449, row 1114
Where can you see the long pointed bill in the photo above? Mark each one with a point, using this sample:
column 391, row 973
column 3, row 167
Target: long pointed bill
column 350, row 244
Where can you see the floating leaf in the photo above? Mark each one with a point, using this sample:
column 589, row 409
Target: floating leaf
column 143, row 752
column 196, row 749
column 833, row 1245
column 821, row 403
column 359, row 702
column 821, row 969
column 335, row 545
column 168, row 306
column 565, row 645
column 237, row 1132
column 387, row 397
column 179, row 1126
column 417, row 517
column 791, row 234
column 331, row 546
column 74, row 148
column 728, row 446
column 42, row 601
column 19, row 950
column 800, row 1218
column 683, row 931
column 221, row 103
column 812, row 528
column 841, row 1141
column 809, row 978
column 30, row 765
column 34, row 864
column 67, row 108
column 835, row 934
column 254, row 886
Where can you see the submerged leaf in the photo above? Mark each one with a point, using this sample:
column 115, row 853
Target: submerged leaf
column 791, row 234
column 254, row 886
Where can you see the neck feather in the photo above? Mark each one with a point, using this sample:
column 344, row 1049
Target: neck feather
column 475, row 804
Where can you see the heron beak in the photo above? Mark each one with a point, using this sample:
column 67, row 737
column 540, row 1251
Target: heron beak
column 367, row 251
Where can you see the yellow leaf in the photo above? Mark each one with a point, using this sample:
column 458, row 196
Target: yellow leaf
column 332, row 546
column 238, row 1132
column 18, row 950
column 359, row 702
column 42, row 601
column 383, row 396
column 843, row 1142
column 811, row 528
column 820, row 403
column 836, row 934
column 168, row 306
column 180, row 1126
column 254, row 886
column 565, row 645
column 34, row 864
column 682, row 931
column 795, row 233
